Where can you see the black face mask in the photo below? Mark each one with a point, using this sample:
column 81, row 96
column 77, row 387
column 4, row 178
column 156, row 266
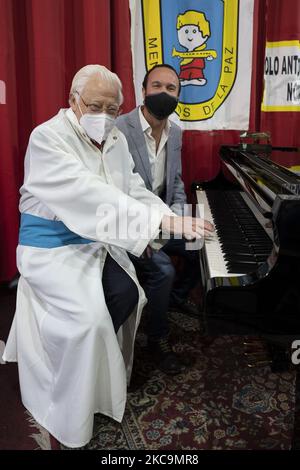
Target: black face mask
column 161, row 105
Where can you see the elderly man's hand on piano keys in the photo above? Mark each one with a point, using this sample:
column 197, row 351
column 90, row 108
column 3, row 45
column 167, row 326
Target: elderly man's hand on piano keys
column 189, row 227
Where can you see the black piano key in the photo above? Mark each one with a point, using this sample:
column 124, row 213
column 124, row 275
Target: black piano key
column 261, row 259
column 241, row 268
column 239, row 258
column 235, row 248
column 243, row 241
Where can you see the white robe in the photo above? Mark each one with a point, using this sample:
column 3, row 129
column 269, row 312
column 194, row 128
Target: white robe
column 71, row 363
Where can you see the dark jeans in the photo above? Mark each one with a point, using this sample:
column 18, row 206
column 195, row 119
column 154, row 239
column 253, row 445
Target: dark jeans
column 189, row 276
column 120, row 292
column 157, row 275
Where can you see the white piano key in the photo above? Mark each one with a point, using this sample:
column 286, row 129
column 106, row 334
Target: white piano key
column 215, row 256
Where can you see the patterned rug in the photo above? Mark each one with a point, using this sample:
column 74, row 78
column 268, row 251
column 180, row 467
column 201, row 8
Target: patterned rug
column 218, row 403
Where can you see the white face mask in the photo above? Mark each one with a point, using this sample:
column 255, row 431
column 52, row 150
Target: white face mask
column 97, row 126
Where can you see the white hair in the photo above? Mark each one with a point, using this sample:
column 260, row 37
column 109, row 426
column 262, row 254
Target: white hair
column 83, row 75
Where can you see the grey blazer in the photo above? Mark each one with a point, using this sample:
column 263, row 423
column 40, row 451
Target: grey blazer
column 174, row 194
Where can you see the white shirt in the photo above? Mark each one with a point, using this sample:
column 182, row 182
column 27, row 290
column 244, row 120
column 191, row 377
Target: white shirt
column 157, row 158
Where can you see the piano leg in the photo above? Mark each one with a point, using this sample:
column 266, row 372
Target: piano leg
column 256, row 352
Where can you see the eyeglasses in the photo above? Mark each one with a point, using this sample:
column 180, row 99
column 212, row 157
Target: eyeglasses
column 94, row 108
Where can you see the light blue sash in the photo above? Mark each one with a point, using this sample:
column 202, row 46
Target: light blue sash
column 44, row 233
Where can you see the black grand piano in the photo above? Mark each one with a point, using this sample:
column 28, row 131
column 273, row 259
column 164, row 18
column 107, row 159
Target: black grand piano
column 251, row 267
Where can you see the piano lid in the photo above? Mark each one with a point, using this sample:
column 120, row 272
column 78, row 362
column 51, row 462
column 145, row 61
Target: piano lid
column 264, row 171
column 287, row 157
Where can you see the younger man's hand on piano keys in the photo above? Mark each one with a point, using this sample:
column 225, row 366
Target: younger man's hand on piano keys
column 189, row 227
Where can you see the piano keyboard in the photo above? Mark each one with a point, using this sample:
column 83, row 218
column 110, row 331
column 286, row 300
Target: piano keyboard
column 239, row 243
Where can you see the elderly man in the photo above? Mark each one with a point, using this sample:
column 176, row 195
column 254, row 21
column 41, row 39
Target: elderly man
column 79, row 302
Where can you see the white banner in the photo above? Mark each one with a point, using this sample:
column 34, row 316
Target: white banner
column 282, row 76
column 209, row 43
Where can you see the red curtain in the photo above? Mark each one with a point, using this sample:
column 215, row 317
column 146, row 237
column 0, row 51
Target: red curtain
column 9, row 145
column 42, row 44
column 283, row 24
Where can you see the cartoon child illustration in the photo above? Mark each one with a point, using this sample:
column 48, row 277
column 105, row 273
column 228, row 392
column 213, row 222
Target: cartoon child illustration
column 193, row 31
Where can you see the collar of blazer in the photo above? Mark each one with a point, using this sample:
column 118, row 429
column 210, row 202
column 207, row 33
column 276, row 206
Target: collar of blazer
column 173, row 144
column 139, row 141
